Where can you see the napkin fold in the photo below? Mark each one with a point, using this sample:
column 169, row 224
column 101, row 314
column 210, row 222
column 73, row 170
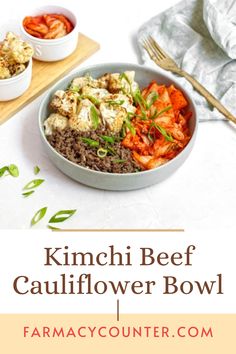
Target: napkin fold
column 201, row 36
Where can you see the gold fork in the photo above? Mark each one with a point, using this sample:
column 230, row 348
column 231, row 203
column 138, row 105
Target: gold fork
column 162, row 59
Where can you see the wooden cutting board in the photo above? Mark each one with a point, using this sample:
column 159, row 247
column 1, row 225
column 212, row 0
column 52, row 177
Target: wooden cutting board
column 45, row 74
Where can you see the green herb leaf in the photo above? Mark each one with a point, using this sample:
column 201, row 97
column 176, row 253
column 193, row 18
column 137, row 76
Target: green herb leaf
column 36, row 170
column 62, row 215
column 90, row 142
column 102, row 153
column 33, row 184
column 108, row 139
column 151, row 98
column 27, row 194
column 13, row 170
column 38, row 216
column 3, row 170
column 94, row 117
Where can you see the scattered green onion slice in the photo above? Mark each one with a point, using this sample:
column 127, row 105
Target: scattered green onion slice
column 166, row 135
column 13, row 170
column 90, row 142
column 36, row 170
column 102, row 153
column 93, row 99
column 108, row 139
column 38, row 216
column 62, row 215
column 124, row 76
column 3, row 170
column 111, row 151
column 151, row 98
column 139, row 100
column 74, row 88
column 115, row 103
column 94, row 117
column 27, row 194
column 129, row 125
column 119, row 161
column 33, row 184
column 163, row 111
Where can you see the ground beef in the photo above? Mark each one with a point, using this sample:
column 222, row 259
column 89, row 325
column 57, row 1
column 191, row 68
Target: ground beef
column 69, row 144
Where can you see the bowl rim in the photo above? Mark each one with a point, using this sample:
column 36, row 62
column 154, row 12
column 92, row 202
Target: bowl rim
column 53, row 40
column 19, row 76
column 100, row 65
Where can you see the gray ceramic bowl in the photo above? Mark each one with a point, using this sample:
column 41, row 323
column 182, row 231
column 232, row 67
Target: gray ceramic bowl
column 113, row 181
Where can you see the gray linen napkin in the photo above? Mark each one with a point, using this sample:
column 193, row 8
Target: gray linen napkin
column 201, row 36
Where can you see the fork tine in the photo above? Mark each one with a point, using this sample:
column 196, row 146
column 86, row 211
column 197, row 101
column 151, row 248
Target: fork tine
column 156, row 50
column 156, row 45
column 149, row 49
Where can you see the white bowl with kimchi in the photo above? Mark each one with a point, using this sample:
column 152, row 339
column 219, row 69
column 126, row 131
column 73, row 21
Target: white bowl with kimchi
column 118, row 126
column 52, row 31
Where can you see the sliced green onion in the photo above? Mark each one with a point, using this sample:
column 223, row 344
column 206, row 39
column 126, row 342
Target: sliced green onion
column 93, row 99
column 129, row 126
column 119, row 161
column 151, row 98
column 94, row 117
column 74, row 88
column 166, row 135
column 163, row 111
column 36, row 170
column 102, row 153
column 111, row 151
column 38, row 216
column 108, row 139
column 13, row 170
column 62, row 215
column 90, row 142
column 33, row 184
column 139, row 100
column 115, row 103
column 163, row 132
column 27, row 194
column 124, row 76
column 3, row 170
column 154, row 115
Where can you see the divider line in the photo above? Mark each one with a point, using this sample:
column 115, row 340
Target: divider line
column 118, row 310
column 119, row 230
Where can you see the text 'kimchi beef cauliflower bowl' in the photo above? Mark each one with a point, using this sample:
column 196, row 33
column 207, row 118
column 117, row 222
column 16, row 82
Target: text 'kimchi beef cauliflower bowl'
column 118, row 126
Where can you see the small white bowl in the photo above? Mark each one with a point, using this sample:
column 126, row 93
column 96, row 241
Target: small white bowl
column 15, row 86
column 52, row 49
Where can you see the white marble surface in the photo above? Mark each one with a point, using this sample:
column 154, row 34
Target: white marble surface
column 200, row 195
